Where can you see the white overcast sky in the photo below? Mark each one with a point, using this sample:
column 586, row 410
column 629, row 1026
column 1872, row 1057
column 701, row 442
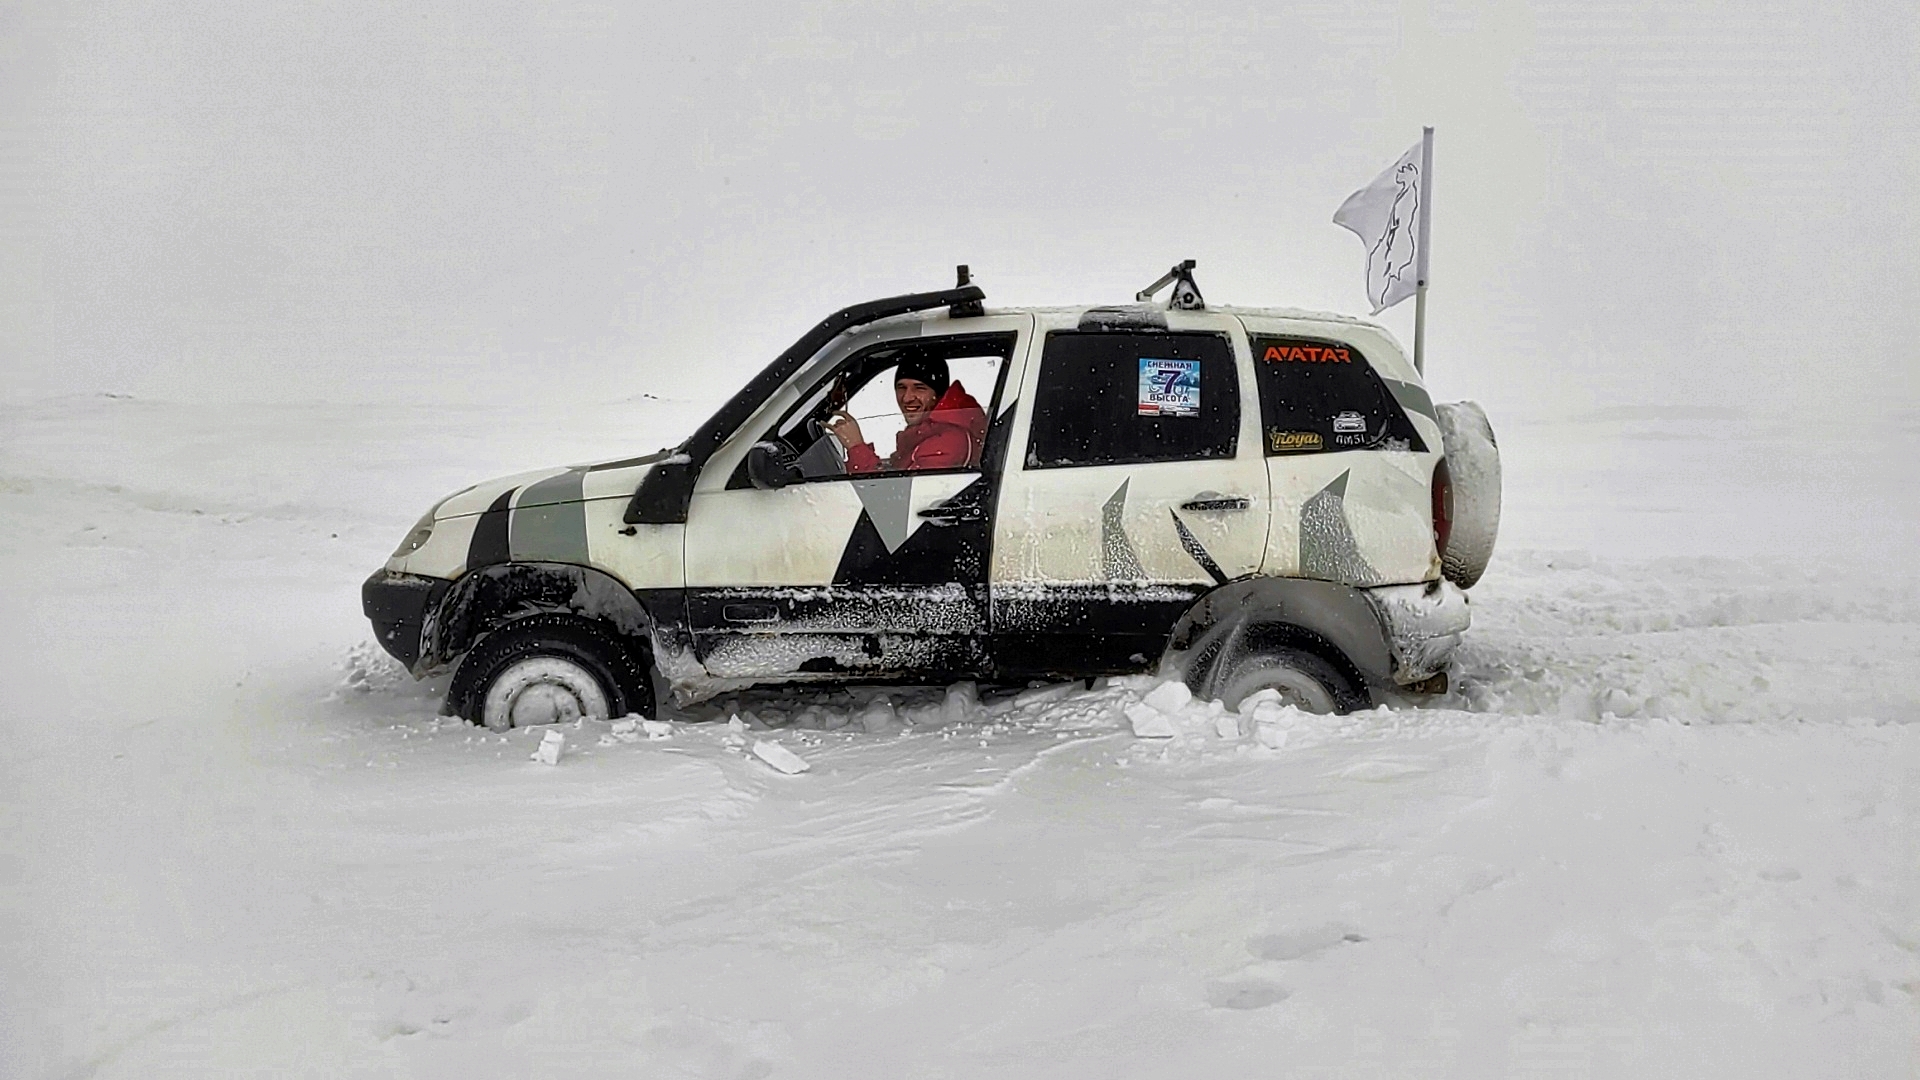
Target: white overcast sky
column 1636, row 202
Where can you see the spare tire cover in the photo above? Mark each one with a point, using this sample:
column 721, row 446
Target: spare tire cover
column 1473, row 460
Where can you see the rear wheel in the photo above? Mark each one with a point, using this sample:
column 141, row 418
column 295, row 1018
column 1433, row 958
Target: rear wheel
column 1303, row 680
column 549, row 669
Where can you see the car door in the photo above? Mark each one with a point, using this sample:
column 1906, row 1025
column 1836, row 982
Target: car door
column 1135, row 484
column 834, row 574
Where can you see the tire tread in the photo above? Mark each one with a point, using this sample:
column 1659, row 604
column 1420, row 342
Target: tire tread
column 628, row 677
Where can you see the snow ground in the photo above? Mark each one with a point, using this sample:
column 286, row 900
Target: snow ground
column 1668, row 824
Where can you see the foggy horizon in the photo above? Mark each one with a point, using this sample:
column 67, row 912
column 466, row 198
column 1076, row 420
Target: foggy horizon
column 1707, row 207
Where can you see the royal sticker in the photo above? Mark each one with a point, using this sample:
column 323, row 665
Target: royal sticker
column 1305, row 353
column 1350, row 423
column 1292, row 442
column 1169, row 387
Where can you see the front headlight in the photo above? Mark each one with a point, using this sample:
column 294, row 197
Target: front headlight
column 417, row 538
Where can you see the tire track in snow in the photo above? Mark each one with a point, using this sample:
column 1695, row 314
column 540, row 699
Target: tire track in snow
column 1706, row 640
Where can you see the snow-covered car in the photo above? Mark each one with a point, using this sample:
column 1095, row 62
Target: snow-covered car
column 1243, row 498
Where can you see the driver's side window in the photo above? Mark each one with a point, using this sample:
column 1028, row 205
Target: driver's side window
column 916, row 405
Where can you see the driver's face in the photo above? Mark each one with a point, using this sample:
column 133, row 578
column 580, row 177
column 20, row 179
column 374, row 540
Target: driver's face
column 916, row 399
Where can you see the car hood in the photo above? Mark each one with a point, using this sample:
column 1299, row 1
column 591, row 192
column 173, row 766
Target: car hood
column 543, row 487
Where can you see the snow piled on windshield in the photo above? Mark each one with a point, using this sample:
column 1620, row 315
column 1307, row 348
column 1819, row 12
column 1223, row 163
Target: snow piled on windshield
column 1662, row 824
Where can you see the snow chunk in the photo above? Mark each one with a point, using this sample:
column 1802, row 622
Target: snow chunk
column 1168, row 707
column 657, row 729
column 1271, row 721
column 1169, row 697
column 552, row 745
column 879, row 717
column 367, row 669
column 1149, row 722
column 961, row 704
column 780, row 757
column 624, row 730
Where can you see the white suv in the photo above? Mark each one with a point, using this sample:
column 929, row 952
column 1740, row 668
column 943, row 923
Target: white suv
column 1244, row 498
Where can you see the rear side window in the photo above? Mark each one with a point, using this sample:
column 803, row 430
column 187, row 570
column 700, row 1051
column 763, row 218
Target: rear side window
column 1128, row 398
column 1319, row 396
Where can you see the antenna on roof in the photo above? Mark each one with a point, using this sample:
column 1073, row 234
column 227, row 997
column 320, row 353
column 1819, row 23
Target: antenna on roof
column 966, row 308
column 1185, row 295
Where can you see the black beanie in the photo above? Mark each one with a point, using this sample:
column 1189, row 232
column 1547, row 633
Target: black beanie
column 931, row 370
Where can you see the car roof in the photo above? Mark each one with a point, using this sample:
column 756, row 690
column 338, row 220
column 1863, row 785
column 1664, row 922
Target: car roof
column 1076, row 310
column 1351, row 328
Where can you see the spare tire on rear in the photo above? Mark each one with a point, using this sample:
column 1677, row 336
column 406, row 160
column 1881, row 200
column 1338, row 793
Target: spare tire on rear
column 1473, row 461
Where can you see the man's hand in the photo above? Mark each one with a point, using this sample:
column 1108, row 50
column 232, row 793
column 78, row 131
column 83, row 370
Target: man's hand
column 846, row 429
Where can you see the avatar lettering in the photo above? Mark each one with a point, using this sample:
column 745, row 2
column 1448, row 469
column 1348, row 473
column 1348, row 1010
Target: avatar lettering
column 1309, row 354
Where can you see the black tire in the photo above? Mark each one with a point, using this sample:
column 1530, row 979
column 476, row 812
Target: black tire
column 568, row 648
column 1304, row 679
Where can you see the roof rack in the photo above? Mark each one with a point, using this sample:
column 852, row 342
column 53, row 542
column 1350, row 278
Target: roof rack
column 1185, row 295
column 966, row 309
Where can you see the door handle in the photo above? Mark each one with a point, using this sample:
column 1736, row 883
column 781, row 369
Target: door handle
column 750, row 613
column 952, row 515
column 1211, row 500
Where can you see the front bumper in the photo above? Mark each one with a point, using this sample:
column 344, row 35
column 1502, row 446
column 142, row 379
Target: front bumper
column 1423, row 625
column 397, row 605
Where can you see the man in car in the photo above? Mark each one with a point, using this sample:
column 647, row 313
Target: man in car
column 945, row 425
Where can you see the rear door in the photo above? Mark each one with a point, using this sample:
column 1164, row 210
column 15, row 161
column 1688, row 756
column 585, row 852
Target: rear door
column 1350, row 470
column 1134, row 483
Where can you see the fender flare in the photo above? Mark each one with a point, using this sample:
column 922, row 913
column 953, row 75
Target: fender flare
column 1335, row 621
column 484, row 597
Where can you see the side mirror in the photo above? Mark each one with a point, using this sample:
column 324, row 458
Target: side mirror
column 766, row 470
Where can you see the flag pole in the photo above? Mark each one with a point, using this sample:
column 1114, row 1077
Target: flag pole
column 1420, row 328
column 1420, row 285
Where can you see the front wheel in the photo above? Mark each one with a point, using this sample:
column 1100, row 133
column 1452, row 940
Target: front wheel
column 1302, row 679
column 549, row 669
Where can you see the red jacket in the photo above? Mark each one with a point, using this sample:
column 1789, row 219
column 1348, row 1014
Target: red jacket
column 949, row 438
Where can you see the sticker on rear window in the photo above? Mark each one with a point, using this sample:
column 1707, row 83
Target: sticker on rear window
column 1292, row 442
column 1350, row 423
column 1169, row 387
column 1306, row 353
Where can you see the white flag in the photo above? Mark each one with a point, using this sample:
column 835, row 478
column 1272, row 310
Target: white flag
column 1389, row 215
